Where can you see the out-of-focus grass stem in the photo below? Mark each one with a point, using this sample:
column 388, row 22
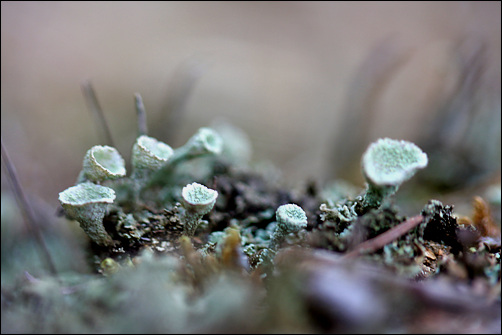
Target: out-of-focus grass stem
column 93, row 105
column 27, row 210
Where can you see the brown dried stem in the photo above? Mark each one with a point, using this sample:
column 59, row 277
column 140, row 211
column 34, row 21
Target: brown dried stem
column 141, row 115
column 93, row 105
column 383, row 239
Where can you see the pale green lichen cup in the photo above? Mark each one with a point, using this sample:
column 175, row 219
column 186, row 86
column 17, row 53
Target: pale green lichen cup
column 290, row 218
column 87, row 203
column 148, row 155
column 386, row 164
column 198, row 200
column 102, row 162
column 204, row 141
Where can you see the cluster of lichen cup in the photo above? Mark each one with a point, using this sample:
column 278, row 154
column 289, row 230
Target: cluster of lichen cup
column 88, row 201
column 386, row 164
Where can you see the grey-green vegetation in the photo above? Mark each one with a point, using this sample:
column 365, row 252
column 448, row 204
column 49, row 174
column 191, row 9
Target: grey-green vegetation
column 195, row 239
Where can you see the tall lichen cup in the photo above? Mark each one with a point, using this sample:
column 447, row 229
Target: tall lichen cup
column 386, row 164
column 198, row 200
column 102, row 162
column 87, row 203
column 148, row 155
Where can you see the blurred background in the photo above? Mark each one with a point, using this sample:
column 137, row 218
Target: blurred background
column 311, row 83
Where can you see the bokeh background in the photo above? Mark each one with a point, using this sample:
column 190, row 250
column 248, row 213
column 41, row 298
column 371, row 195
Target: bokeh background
column 311, row 83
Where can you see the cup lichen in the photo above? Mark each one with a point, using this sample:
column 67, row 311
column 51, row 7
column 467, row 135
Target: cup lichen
column 290, row 218
column 102, row 162
column 87, row 203
column 198, row 200
column 386, row 164
column 204, row 141
column 148, row 155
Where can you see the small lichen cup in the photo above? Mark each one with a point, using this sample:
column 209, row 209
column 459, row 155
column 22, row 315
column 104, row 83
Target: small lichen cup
column 102, row 162
column 290, row 218
column 204, row 141
column 386, row 164
column 197, row 200
column 87, row 203
column 148, row 155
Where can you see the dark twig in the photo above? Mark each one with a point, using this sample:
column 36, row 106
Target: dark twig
column 27, row 210
column 383, row 239
column 93, row 105
column 141, row 115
